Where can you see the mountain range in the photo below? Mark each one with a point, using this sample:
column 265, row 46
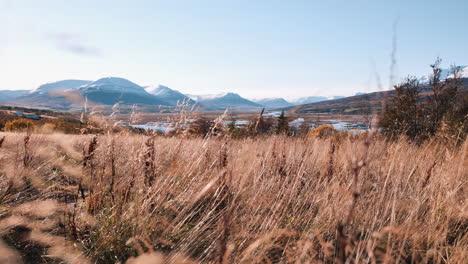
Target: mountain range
column 8, row 95
column 109, row 91
column 74, row 94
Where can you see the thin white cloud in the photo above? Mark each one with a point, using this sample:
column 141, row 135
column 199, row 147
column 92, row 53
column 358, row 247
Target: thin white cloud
column 73, row 43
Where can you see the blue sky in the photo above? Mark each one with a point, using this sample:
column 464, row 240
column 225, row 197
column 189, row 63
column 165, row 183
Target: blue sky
column 257, row 48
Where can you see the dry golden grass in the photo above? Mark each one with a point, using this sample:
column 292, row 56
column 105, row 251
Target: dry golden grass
column 135, row 199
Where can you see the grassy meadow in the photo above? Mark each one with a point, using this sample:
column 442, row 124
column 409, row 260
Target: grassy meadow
column 125, row 198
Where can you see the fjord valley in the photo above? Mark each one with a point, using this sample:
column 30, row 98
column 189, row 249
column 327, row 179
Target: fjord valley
column 233, row 132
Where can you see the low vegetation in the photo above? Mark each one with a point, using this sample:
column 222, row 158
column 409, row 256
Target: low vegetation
column 20, row 125
column 135, row 198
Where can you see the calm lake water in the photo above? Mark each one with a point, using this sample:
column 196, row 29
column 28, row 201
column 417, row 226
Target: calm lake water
column 337, row 124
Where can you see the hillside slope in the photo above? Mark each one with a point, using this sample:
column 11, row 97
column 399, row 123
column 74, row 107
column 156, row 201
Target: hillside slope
column 359, row 104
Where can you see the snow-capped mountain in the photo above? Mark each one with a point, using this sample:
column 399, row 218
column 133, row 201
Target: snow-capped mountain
column 223, row 101
column 273, row 102
column 444, row 74
column 113, row 84
column 203, row 97
column 70, row 94
column 111, row 90
column 168, row 95
column 59, row 86
column 8, row 95
column 60, row 95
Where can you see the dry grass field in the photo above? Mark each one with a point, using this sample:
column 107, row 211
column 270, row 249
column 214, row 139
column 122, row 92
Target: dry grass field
column 140, row 199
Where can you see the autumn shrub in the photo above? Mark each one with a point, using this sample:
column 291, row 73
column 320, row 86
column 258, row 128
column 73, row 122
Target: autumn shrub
column 20, row 125
column 200, row 127
column 323, row 131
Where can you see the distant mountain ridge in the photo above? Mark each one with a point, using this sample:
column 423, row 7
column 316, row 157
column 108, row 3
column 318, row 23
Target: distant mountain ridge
column 223, row 101
column 8, row 95
column 273, row 103
column 59, row 86
column 169, row 95
column 114, row 84
column 72, row 94
column 56, row 95
column 112, row 90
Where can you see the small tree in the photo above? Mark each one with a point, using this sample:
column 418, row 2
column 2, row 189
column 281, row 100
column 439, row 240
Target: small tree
column 444, row 101
column 283, row 125
column 20, row 125
column 200, row 127
column 443, row 112
column 403, row 115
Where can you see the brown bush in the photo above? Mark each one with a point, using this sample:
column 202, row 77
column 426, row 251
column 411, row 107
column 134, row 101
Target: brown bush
column 20, row 125
column 323, row 131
